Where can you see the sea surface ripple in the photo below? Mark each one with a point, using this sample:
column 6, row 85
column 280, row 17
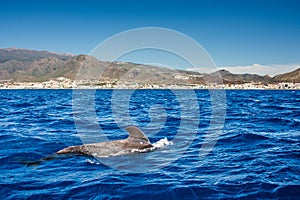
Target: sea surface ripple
column 256, row 157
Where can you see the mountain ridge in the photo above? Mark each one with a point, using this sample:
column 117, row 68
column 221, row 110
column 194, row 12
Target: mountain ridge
column 32, row 65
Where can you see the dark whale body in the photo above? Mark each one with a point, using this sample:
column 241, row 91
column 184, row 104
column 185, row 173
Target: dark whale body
column 136, row 142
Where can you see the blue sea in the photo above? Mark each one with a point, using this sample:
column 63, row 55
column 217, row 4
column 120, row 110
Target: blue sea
column 248, row 148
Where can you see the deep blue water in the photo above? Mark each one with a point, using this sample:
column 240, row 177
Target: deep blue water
column 256, row 156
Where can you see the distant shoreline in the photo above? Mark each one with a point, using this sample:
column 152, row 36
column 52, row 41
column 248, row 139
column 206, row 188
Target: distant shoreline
column 144, row 89
column 166, row 88
column 64, row 83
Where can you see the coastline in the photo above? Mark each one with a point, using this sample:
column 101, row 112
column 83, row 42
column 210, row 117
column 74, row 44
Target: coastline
column 64, row 83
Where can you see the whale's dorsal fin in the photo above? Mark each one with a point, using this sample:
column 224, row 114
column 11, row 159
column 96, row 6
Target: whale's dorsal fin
column 135, row 134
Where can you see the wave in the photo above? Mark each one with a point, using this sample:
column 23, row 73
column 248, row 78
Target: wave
column 256, row 157
column 242, row 137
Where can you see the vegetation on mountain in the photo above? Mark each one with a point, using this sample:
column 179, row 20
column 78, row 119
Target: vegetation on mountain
column 29, row 65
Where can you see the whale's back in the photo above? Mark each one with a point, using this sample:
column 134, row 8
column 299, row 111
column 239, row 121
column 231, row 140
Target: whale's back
column 136, row 140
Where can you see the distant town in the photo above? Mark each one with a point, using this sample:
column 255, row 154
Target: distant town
column 65, row 83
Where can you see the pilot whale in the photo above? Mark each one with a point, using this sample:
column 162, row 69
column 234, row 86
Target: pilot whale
column 137, row 141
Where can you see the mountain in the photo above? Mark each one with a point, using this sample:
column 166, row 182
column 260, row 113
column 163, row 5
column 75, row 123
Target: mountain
column 35, row 66
column 29, row 65
column 241, row 78
column 293, row 76
column 29, row 55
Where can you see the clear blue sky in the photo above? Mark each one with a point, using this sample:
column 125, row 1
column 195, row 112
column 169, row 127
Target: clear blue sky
column 233, row 32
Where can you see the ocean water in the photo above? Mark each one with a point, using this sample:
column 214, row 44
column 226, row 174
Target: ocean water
column 256, row 154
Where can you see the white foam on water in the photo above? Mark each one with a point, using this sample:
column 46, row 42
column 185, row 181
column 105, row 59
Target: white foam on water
column 94, row 162
column 162, row 143
column 157, row 145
